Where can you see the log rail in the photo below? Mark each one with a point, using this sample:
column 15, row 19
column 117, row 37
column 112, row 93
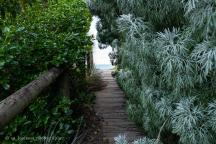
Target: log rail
column 18, row 101
column 14, row 104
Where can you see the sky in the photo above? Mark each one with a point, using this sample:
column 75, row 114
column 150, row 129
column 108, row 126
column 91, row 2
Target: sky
column 100, row 56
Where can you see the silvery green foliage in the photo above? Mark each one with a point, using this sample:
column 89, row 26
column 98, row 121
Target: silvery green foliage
column 99, row 5
column 121, row 139
column 146, row 141
column 188, row 118
column 174, row 60
column 130, row 25
column 190, row 5
column 204, row 55
column 129, row 5
column 164, row 107
column 167, row 57
column 202, row 17
column 211, row 111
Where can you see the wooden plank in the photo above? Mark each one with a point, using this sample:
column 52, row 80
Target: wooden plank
column 111, row 106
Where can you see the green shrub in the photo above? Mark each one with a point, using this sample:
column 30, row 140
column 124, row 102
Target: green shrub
column 36, row 40
column 42, row 120
column 167, row 63
column 49, row 119
column 121, row 139
column 41, row 38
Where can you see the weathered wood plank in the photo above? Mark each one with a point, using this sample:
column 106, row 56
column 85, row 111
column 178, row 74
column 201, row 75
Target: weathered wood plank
column 111, row 106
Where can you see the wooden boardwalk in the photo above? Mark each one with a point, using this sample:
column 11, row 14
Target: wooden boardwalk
column 110, row 106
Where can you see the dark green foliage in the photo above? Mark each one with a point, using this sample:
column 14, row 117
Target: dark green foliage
column 36, row 40
column 50, row 119
column 42, row 38
column 11, row 8
column 42, row 119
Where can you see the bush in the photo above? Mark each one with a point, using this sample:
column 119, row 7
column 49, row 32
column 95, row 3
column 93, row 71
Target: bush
column 49, row 119
column 38, row 39
column 42, row 122
column 121, row 139
column 41, row 38
column 167, row 63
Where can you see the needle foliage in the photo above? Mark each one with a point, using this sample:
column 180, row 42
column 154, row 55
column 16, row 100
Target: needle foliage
column 167, row 63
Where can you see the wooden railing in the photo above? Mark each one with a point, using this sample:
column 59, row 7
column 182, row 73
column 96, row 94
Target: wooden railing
column 14, row 104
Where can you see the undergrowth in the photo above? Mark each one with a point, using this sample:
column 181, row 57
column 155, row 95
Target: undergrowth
column 38, row 37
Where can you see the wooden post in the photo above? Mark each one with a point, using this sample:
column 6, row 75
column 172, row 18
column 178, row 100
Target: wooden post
column 65, row 84
column 90, row 62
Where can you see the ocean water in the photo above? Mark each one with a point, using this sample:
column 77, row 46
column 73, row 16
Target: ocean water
column 103, row 66
column 100, row 56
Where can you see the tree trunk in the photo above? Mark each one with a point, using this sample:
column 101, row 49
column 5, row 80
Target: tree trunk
column 18, row 101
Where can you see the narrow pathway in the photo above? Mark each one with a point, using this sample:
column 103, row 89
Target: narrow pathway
column 110, row 106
